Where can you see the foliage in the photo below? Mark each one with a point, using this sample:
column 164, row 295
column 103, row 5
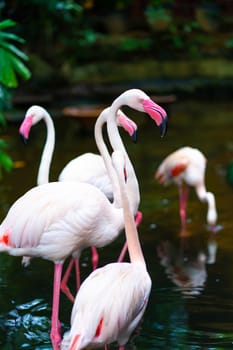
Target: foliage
column 11, row 64
column 11, row 58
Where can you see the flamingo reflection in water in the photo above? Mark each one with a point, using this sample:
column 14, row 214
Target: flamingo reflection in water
column 185, row 265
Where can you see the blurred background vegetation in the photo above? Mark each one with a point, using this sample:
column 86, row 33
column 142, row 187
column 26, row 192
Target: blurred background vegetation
column 45, row 44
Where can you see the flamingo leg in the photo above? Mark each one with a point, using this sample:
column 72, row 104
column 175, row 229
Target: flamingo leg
column 55, row 333
column 77, row 271
column 138, row 219
column 183, row 196
column 64, row 283
column 95, row 258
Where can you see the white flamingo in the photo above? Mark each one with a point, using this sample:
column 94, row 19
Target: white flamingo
column 111, row 301
column 59, row 219
column 186, row 168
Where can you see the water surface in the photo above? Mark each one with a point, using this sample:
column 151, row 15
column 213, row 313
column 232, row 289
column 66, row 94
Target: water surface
column 191, row 305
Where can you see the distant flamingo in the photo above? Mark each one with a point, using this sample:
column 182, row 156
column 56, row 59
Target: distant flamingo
column 111, row 301
column 59, row 219
column 88, row 167
column 186, row 168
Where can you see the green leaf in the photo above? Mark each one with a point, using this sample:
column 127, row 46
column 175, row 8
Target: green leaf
column 5, row 161
column 11, row 36
column 14, row 50
column 6, row 24
column 20, row 68
column 7, row 74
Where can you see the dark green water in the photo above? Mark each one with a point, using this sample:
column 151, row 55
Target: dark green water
column 198, row 316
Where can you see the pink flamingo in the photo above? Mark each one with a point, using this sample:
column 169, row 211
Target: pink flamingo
column 59, row 219
column 111, row 301
column 186, row 168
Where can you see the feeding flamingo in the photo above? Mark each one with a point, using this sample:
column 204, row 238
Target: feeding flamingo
column 111, row 301
column 59, row 219
column 186, row 168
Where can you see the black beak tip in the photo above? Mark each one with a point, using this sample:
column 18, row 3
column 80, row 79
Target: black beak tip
column 25, row 140
column 163, row 128
column 134, row 136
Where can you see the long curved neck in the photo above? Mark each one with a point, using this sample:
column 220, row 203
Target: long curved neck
column 106, row 157
column 134, row 246
column 210, row 199
column 44, row 168
column 117, row 143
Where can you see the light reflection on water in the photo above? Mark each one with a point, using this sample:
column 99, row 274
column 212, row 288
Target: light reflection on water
column 191, row 304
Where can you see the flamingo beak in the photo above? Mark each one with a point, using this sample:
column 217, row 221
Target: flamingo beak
column 157, row 113
column 25, row 127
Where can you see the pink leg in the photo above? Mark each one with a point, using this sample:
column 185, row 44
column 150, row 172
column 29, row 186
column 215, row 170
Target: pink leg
column 55, row 333
column 138, row 219
column 121, row 347
column 183, row 195
column 106, row 347
column 95, row 258
column 64, row 283
column 77, row 271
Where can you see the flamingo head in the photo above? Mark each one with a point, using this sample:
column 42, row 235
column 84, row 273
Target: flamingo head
column 127, row 124
column 139, row 100
column 33, row 115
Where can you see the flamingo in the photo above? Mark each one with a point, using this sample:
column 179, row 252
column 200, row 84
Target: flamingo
column 186, row 168
column 56, row 220
column 112, row 299
column 88, row 167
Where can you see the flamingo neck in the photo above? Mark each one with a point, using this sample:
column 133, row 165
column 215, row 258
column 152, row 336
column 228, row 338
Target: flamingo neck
column 134, row 246
column 102, row 119
column 46, row 158
column 117, row 143
column 210, row 199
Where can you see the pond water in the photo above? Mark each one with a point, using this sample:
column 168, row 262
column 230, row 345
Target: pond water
column 198, row 316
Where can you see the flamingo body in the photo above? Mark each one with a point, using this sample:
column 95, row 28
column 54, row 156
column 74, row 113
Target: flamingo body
column 125, row 289
column 59, row 214
column 93, row 172
column 187, row 166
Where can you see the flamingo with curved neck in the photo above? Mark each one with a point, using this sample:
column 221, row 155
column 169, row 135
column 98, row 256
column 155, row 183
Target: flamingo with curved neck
column 112, row 300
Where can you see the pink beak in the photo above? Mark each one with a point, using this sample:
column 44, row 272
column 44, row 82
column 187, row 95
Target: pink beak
column 157, row 113
column 25, row 127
